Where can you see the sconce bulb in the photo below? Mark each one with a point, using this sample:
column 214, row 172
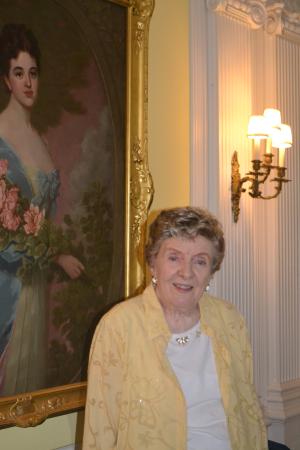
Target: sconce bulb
column 273, row 117
column 283, row 137
column 257, row 128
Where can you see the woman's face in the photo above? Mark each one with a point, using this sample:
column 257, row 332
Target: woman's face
column 22, row 80
column 183, row 270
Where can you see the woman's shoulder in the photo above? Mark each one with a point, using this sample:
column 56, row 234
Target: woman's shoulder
column 15, row 172
column 223, row 308
column 5, row 149
column 224, row 319
column 124, row 310
column 126, row 314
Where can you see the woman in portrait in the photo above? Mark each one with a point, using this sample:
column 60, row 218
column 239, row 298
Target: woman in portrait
column 172, row 367
column 30, row 171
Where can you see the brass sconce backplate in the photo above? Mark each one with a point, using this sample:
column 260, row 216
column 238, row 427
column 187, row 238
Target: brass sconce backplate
column 235, row 187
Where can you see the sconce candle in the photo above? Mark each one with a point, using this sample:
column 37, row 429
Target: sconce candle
column 255, row 148
column 269, row 146
column 281, row 152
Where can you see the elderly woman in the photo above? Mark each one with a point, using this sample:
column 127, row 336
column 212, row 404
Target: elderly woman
column 171, row 369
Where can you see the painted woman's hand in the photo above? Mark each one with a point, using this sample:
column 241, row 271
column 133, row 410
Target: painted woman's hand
column 71, row 265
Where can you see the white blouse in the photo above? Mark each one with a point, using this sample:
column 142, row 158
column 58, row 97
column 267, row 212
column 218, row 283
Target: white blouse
column 194, row 365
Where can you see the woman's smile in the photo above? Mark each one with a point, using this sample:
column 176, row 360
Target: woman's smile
column 183, row 287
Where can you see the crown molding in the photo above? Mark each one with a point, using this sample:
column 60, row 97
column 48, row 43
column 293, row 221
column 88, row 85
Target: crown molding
column 274, row 17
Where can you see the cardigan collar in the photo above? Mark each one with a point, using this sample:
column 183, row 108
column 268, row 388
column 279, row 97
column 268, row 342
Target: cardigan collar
column 156, row 323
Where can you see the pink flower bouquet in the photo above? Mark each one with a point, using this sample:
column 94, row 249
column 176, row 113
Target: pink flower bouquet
column 14, row 216
column 24, row 228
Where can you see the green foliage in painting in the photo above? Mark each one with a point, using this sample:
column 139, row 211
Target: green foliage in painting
column 79, row 302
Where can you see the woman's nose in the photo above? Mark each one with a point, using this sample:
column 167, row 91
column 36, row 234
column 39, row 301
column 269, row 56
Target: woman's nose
column 27, row 80
column 186, row 269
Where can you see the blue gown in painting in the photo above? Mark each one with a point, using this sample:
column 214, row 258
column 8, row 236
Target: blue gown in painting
column 23, row 307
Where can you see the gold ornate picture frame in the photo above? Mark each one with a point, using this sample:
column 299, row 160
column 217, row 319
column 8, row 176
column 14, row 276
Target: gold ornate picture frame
column 31, row 408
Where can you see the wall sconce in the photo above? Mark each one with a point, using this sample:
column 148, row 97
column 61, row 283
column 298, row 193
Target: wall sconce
column 266, row 132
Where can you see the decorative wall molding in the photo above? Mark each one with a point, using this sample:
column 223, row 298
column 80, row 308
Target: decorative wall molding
column 288, row 91
column 274, row 17
column 284, row 400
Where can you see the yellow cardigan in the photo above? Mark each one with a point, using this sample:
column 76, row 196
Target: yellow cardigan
column 134, row 400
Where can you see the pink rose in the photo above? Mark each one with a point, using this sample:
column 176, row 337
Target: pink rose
column 2, row 193
column 3, row 167
column 33, row 219
column 9, row 220
column 12, row 197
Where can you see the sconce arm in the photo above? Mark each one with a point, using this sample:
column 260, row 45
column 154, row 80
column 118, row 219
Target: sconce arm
column 257, row 176
column 278, row 188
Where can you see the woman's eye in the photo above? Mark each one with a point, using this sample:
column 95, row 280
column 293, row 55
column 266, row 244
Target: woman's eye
column 172, row 258
column 19, row 74
column 34, row 74
column 201, row 262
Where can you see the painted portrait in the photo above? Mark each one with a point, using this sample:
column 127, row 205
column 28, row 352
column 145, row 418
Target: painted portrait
column 62, row 178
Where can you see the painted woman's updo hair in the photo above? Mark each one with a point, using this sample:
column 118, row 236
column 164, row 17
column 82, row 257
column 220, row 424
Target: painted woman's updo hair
column 16, row 38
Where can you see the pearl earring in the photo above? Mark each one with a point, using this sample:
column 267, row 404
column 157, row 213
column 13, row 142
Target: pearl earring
column 207, row 288
column 154, row 281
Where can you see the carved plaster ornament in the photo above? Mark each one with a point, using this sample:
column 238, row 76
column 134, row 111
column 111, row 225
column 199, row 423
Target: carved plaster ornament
column 276, row 18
